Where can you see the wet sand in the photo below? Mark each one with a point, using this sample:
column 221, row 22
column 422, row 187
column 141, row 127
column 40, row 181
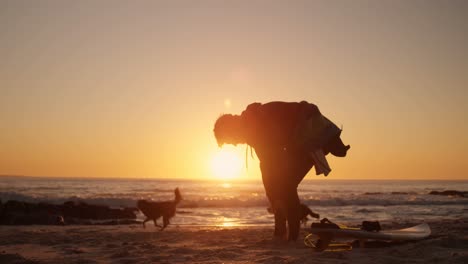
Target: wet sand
column 133, row 244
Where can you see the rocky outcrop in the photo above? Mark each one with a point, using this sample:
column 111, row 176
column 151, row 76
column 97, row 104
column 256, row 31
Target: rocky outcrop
column 23, row 213
column 95, row 212
column 450, row 193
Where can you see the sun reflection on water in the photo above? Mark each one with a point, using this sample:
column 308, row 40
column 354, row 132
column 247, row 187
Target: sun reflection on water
column 227, row 222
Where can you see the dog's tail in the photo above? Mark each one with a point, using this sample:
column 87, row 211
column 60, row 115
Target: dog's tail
column 178, row 197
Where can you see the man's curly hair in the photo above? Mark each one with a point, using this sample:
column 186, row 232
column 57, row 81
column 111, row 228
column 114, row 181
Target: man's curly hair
column 222, row 128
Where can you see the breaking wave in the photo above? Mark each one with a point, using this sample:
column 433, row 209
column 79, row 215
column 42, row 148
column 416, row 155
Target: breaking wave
column 125, row 200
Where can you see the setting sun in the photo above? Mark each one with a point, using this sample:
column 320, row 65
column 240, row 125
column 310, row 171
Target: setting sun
column 226, row 164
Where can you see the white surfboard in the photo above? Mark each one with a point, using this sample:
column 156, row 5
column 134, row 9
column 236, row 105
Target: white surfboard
column 326, row 235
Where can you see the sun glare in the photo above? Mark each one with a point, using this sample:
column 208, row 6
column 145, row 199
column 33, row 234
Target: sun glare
column 226, row 164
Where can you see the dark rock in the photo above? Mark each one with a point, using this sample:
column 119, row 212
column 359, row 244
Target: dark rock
column 450, row 193
column 24, row 213
column 96, row 212
column 15, row 258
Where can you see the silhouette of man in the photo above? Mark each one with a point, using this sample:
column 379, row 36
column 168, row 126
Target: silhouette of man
column 289, row 138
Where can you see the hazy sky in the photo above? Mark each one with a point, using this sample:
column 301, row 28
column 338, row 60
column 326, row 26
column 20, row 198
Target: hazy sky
column 132, row 88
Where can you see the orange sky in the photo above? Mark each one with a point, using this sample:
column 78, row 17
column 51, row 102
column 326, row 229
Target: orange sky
column 124, row 89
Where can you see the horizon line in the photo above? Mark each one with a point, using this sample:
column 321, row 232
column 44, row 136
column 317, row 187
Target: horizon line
column 220, row 180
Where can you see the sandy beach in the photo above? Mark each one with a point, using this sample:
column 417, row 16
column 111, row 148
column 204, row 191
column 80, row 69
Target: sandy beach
column 223, row 121
column 133, row 244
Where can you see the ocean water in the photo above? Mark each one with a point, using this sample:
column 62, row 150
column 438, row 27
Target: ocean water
column 243, row 203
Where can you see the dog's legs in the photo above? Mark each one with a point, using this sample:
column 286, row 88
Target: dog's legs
column 165, row 223
column 146, row 220
column 156, row 223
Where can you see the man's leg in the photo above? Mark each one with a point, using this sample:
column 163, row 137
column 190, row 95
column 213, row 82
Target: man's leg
column 280, row 220
column 293, row 214
column 272, row 187
column 299, row 165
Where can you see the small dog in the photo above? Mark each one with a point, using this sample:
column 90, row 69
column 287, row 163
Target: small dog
column 154, row 210
column 304, row 212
